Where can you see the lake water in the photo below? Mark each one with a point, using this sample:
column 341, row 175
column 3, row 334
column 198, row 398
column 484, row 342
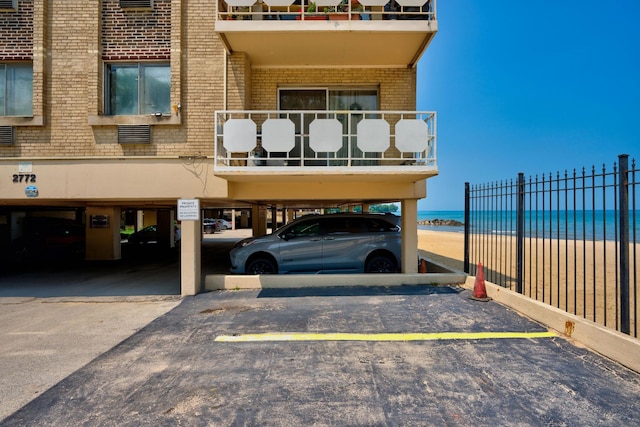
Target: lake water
column 565, row 225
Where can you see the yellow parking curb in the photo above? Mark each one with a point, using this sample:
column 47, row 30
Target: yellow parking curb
column 309, row 336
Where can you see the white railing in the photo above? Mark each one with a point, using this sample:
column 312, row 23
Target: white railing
column 301, row 10
column 286, row 139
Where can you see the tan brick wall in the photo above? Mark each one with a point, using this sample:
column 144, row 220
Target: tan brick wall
column 136, row 34
column 397, row 86
column 69, row 38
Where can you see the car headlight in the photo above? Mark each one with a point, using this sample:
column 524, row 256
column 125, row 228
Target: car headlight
column 243, row 243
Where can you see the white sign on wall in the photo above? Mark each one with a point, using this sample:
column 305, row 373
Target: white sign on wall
column 188, row 209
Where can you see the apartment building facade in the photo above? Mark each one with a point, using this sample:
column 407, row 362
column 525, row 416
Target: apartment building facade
column 108, row 105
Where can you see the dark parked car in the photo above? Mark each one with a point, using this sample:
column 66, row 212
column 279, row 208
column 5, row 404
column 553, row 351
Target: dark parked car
column 336, row 243
column 149, row 234
column 49, row 238
column 210, row 226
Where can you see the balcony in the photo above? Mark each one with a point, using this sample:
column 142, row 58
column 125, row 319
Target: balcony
column 398, row 146
column 384, row 33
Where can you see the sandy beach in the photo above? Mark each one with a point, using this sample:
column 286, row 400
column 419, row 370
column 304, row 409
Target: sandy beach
column 577, row 277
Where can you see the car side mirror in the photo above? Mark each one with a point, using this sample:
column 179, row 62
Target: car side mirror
column 287, row 236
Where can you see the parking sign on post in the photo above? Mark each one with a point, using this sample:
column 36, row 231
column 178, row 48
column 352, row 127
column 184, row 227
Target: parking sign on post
column 188, row 209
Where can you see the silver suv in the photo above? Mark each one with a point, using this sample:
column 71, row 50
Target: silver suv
column 335, row 243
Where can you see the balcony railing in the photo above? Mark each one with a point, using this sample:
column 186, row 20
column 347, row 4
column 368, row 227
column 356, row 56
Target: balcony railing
column 295, row 141
column 307, row 10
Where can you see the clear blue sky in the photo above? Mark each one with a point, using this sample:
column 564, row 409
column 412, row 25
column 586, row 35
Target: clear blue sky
column 529, row 86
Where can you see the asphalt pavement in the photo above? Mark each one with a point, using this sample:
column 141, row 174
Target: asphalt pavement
column 408, row 355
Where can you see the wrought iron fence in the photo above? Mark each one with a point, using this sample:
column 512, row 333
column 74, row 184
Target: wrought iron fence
column 566, row 239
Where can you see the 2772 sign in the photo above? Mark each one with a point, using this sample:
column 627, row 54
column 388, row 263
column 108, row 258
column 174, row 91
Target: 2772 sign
column 23, row 177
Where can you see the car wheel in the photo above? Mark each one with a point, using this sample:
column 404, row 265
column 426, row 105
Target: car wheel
column 261, row 266
column 380, row 264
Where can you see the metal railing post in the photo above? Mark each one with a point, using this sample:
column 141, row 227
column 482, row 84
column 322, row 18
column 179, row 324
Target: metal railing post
column 520, row 234
column 467, row 226
column 623, row 180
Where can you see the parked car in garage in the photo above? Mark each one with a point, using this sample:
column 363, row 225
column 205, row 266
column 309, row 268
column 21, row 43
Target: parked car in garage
column 210, row 226
column 148, row 234
column 48, row 239
column 335, row 243
column 223, row 224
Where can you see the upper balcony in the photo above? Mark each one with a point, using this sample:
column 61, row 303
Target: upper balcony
column 325, row 145
column 384, row 33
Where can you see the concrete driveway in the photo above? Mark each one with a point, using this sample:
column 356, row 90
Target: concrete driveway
column 271, row 357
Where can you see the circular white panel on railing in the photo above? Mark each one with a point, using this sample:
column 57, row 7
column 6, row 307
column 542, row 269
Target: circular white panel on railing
column 411, row 3
column 239, row 135
column 325, row 135
column 278, row 135
column 373, row 135
column 279, row 3
column 373, row 2
column 327, row 3
column 411, row 135
column 240, row 3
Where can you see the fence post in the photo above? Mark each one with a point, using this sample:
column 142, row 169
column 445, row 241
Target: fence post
column 467, row 226
column 623, row 181
column 520, row 234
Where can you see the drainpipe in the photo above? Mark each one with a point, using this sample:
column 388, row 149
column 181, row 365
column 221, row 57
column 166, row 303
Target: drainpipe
column 224, row 84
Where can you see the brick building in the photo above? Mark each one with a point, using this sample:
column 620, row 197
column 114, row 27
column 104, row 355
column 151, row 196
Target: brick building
column 107, row 105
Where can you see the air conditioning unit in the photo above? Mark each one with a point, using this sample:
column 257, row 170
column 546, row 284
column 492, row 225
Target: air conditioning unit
column 7, row 135
column 134, row 134
column 8, row 5
column 136, row 4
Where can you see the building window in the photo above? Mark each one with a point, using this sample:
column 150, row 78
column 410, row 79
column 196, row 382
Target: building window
column 135, row 89
column 16, row 90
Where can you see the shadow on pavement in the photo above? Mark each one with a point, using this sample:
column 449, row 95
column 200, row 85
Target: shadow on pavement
column 357, row 291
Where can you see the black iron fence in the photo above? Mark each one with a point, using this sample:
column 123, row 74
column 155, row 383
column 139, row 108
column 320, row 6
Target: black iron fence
column 567, row 239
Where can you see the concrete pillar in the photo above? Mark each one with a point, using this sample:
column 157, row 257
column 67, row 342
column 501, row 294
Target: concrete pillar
column 233, row 219
column 274, row 218
column 139, row 220
column 259, row 220
column 244, row 219
column 102, row 233
column 166, row 231
column 409, row 236
column 190, row 255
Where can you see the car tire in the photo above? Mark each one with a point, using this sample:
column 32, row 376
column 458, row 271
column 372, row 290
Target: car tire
column 380, row 264
column 261, row 265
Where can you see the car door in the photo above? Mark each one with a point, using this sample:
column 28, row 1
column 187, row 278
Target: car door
column 301, row 247
column 344, row 244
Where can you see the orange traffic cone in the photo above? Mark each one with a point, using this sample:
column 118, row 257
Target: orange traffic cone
column 479, row 289
column 423, row 266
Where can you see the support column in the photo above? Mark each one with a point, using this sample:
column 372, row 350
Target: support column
column 190, row 255
column 410, row 236
column 259, row 220
column 102, row 233
column 139, row 220
column 274, row 218
column 289, row 215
